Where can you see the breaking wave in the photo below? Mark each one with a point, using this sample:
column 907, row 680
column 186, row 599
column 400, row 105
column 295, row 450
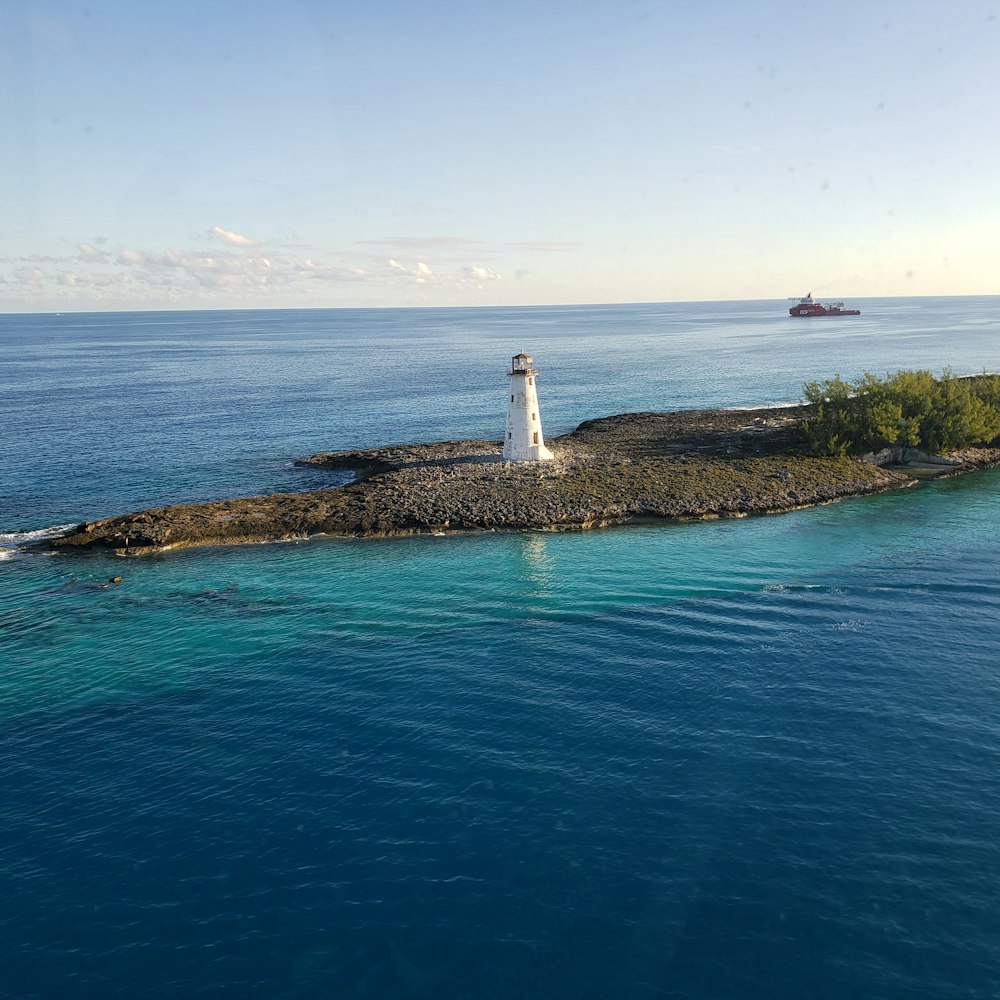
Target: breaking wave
column 11, row 541
column 38, row 535
column 772, row 405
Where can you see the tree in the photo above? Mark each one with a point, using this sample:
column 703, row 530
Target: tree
column 908, row 408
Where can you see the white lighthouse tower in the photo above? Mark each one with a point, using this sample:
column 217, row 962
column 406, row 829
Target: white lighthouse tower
column 524, row 441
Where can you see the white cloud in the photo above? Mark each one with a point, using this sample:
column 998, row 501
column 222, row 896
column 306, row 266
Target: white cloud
column 419, row 273
column 90, row 253
column 209, row 272
column 30, row 275
column 71, row 279
column 129, row 257
column 481, row 274
column 234, row 239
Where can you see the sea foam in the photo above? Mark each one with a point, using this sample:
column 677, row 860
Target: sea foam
column 12, row 539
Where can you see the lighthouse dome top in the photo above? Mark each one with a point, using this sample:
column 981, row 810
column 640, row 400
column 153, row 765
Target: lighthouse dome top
column 521, row 364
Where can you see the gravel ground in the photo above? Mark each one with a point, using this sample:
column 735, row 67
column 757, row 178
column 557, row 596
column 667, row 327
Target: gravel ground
column 681, row 465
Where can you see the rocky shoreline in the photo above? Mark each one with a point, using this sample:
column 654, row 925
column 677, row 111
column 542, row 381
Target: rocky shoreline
column 684, row 465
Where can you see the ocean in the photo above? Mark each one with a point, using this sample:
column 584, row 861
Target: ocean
column 748, row 759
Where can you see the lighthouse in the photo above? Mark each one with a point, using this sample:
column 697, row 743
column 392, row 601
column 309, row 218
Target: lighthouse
column 524, row 441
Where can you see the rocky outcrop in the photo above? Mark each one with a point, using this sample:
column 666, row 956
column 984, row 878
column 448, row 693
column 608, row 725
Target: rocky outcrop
column 901, row 455
column 683, row 465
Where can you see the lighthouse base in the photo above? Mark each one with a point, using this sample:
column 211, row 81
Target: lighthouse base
column 530, row 453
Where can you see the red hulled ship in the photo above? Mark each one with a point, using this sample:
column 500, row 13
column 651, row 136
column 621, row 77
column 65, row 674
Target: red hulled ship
column 808, row 306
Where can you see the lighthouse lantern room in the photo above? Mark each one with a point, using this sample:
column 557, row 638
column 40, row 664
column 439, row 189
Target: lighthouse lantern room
column 524, row 441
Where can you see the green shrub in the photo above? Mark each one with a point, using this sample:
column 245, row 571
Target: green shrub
column 909, row 408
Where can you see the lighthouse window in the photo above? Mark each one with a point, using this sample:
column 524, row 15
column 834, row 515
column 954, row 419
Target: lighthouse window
column 534, row 438
column 512, row 399
column 534, row 416
column 531, row 381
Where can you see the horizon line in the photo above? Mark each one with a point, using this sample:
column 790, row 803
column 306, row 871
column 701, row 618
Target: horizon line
column 547, row 305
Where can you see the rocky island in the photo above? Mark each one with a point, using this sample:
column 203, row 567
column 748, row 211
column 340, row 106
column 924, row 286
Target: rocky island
column 682, row 465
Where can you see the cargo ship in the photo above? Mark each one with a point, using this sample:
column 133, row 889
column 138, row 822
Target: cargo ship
column 808, row 306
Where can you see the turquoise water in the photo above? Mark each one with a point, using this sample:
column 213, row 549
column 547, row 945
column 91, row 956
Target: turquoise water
column 751, row 758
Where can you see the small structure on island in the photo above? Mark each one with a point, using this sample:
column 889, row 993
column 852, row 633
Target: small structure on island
column 524, row 441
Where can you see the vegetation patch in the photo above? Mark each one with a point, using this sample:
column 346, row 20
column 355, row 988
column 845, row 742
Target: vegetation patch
column 910, row 409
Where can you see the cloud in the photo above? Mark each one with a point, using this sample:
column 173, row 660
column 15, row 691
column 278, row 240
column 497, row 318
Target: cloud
column 207, row 269
column 233, row 239
column 314, row 270
column 30, row 275
column 71, row 279
column 90, row 253
column 481, row 274
column 419, row 273
column 130, row 257
column 209, row 272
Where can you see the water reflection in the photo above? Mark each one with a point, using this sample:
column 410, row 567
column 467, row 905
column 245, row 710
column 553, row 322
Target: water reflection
column 534, row 565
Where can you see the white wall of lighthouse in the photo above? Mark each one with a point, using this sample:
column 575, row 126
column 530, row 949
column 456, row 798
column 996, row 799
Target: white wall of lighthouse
column 524, row 441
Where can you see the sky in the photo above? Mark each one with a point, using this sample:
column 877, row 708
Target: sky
column 315, row 153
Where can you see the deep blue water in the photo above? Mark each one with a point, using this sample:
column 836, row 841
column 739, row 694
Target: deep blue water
column 747, row 759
